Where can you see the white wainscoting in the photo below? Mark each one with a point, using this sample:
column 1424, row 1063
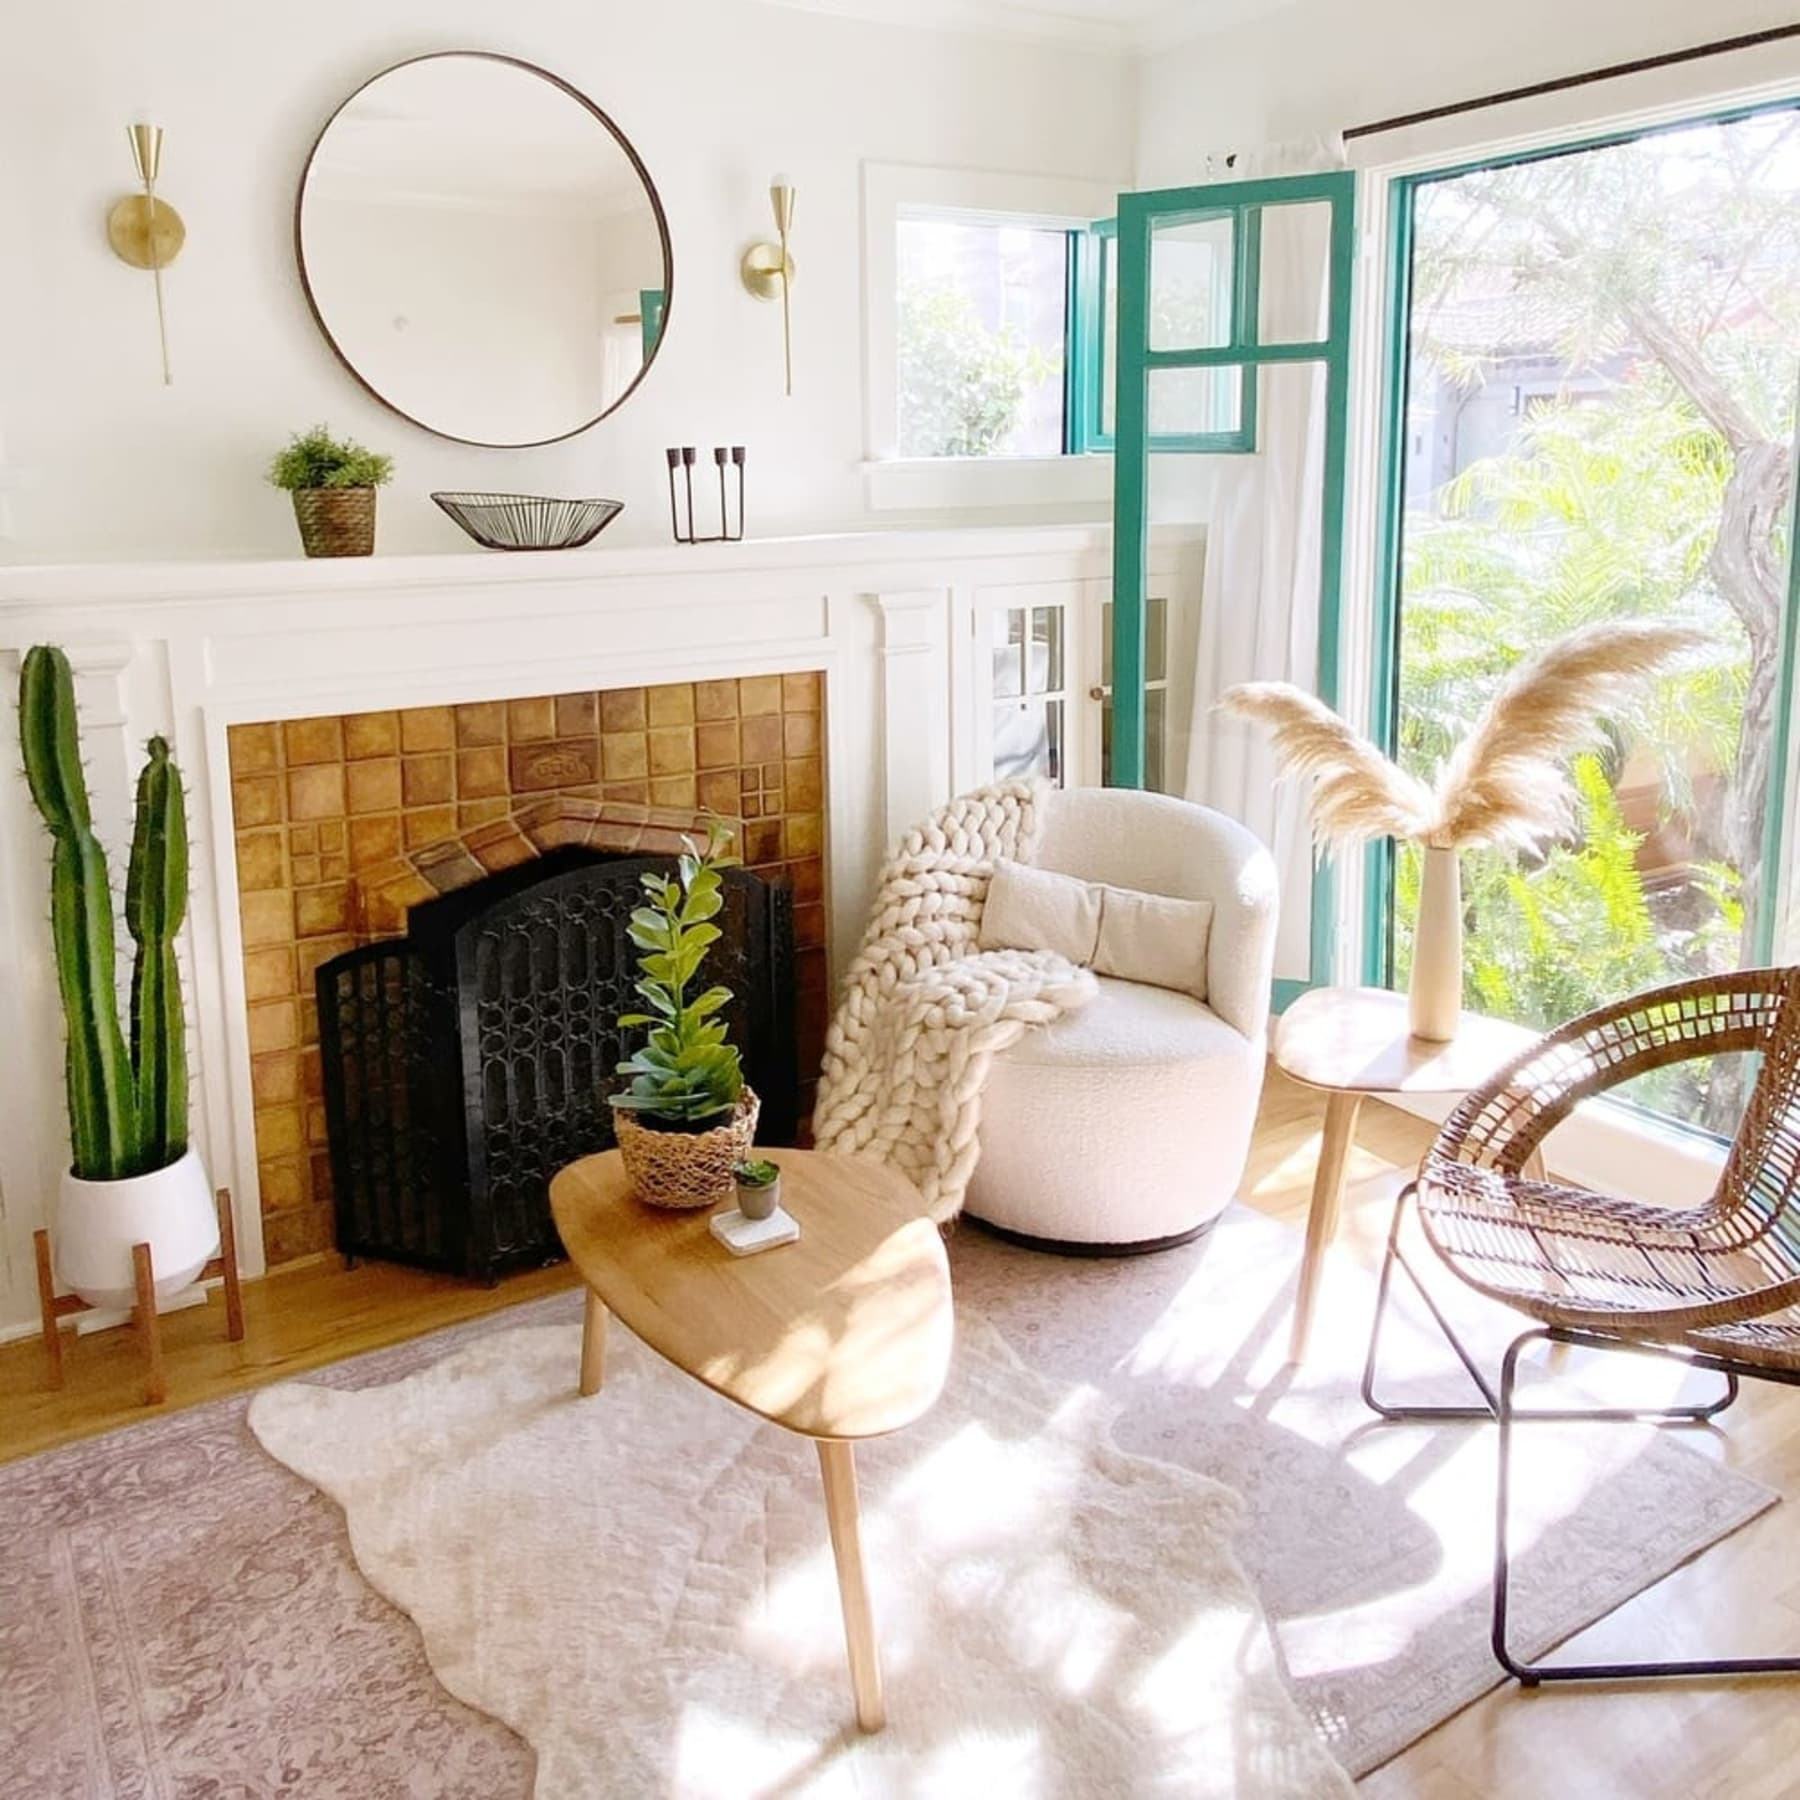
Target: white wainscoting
column 189, row 649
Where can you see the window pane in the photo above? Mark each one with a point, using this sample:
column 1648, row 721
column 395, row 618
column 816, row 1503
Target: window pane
column 1604, row 349
column 1293, row 306
column 982, row 326
column 1190, row 402
column 1190, row 284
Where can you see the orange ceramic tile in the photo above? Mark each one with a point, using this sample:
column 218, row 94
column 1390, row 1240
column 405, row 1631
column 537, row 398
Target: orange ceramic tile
column 751, row 806
column 759, row 694
column 479, row 812
column 802, row 693
column 719, row 791
column 256, row 800
column 804, row 834
column 480, row 773
column 427, row 728
column 268, row 974
column 283, row 1185
column 672, row 752
column 275, row 1077
column 800, row 733
column 484, row 723
column 260, row 861
column 318, row 1128
column 675, row 790
column 428, row 826
column 624, row 756
column 671, row 705
column 715, row 700
column 300, row 1231
column 314, row 951
column 809, row 927
column 312, row 1074
column 313, row 741
column 253, row 749
column 316, row 792
column 557, row 763
column 332, row 868
column 577, row 715
column 771, row 776
column 371, row 734
column 374, row 786
column 274, row 1025
column 762, row 738
column 530, row 721
column 268, row 918
column 374, row 840
column 309, row 1020
column 628, row 792
column 304, row 871
column 803, row 783
column 303, row 840
column 807, row 879
column 322, row 910
column 427, row 780
column 762, row 841
column 331, row 836
column 623, row 709
column 716, row 745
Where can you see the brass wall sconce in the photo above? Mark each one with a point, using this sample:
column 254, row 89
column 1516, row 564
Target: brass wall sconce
column 144, row 231
column 768, row 269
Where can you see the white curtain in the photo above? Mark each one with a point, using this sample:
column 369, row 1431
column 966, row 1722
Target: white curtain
column 1259, row 616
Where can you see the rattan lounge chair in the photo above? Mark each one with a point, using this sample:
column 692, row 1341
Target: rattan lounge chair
column 1715, row 1285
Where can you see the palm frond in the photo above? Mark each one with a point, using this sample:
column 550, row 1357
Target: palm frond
column 1358, row 793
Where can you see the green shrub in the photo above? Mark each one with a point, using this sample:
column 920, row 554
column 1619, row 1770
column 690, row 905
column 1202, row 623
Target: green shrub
column 315, row 459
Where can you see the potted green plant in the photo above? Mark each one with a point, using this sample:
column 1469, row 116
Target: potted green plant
column 758, row 1184
column 687, row 1116
column 133, row 1178
column 333, row 482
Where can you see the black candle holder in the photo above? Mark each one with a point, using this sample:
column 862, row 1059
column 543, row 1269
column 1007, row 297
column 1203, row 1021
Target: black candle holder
column 681, row 494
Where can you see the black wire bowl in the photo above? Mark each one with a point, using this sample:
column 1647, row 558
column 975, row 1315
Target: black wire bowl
column 527, row 522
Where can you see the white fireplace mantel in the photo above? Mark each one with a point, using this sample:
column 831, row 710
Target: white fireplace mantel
column 191, row 648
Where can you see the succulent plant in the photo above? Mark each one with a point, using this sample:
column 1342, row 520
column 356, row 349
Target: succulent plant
column 127, row 1107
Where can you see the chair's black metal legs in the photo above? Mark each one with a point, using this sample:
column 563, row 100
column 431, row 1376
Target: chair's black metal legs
column 1534, row 1674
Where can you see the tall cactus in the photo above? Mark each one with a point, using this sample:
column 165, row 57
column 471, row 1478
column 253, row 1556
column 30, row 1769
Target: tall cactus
column 155, row 902
column 127, row 1111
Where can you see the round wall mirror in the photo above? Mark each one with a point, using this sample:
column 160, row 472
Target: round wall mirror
column 484, row 250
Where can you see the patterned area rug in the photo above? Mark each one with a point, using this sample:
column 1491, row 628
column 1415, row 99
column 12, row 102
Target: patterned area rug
column 180, row 1615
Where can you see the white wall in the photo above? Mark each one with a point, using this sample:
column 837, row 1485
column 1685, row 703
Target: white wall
column 97, row 460
column 1320, row 66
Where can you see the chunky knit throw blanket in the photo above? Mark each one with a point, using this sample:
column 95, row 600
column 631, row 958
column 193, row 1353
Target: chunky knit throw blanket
column 925, row 1011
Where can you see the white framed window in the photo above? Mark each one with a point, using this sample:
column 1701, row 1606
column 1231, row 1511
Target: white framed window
column 974, row 351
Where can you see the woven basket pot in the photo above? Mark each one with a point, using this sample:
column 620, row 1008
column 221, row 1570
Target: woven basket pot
column 686, row 1168
column 336, row 521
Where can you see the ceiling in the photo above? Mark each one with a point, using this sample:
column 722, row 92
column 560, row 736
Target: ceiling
column 1124, row 25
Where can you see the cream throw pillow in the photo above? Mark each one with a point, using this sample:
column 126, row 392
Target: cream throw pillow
column 1114, row 931
column 1034, row 909
column 1153, row 939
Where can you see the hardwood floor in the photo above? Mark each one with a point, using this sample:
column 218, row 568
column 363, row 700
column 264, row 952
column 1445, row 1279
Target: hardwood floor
column 1702, row 1741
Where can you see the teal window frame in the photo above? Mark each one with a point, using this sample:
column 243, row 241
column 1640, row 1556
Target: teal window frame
column 1378, row 907
column 1140, row 215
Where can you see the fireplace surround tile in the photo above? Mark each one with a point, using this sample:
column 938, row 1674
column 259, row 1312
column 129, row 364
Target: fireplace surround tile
column 343, row 824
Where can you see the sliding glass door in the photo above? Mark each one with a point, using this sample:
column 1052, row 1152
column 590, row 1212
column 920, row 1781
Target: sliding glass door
column 1601, row 356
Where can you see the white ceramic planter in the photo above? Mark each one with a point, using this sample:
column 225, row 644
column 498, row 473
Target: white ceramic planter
column 97, row 1222
column 1437, row 971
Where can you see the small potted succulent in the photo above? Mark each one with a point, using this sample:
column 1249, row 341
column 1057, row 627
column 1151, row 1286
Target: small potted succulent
column 688, row 1117
column 758, row 1184
column 333, row 482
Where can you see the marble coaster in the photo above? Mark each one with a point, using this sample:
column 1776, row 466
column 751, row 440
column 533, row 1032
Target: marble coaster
column 744, row 1237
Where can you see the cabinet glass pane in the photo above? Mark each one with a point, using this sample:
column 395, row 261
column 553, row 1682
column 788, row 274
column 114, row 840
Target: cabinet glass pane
column 1045, row 667
column 1156, row 740
column 1156, row 641
column 1028, row 739
column 1009, row 653
column 1191, row 271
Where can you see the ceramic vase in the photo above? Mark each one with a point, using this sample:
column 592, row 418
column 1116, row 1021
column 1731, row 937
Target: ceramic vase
column 759, row 1202
column 1435, row 1002
column 97, row 1223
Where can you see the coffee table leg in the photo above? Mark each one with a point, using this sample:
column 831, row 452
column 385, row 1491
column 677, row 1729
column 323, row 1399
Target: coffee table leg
column 1322, row 1221
column 837, row 1464
column 593, row 1344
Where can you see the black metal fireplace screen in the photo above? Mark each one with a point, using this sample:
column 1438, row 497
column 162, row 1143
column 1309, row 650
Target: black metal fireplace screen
column 470, row 1060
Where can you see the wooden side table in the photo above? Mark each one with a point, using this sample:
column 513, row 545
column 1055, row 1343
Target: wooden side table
column 1354, row 1042
column 843, row 1335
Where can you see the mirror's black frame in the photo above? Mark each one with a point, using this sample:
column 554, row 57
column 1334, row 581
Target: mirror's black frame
column 624, row 143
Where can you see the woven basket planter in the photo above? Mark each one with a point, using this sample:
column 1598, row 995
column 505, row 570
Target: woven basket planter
column 686, row 1168
column 336, row 521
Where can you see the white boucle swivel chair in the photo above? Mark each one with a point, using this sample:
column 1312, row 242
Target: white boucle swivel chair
column 1125, row 1127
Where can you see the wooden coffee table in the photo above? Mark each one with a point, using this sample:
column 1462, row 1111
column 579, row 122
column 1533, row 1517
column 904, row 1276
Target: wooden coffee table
column 844, row 1335
column 1353, row 1042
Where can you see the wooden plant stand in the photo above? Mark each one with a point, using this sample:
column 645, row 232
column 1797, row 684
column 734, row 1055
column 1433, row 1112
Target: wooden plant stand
column 54, row 1308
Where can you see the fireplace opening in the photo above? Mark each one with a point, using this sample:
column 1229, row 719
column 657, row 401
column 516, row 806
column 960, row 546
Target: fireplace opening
column 467, row 1061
